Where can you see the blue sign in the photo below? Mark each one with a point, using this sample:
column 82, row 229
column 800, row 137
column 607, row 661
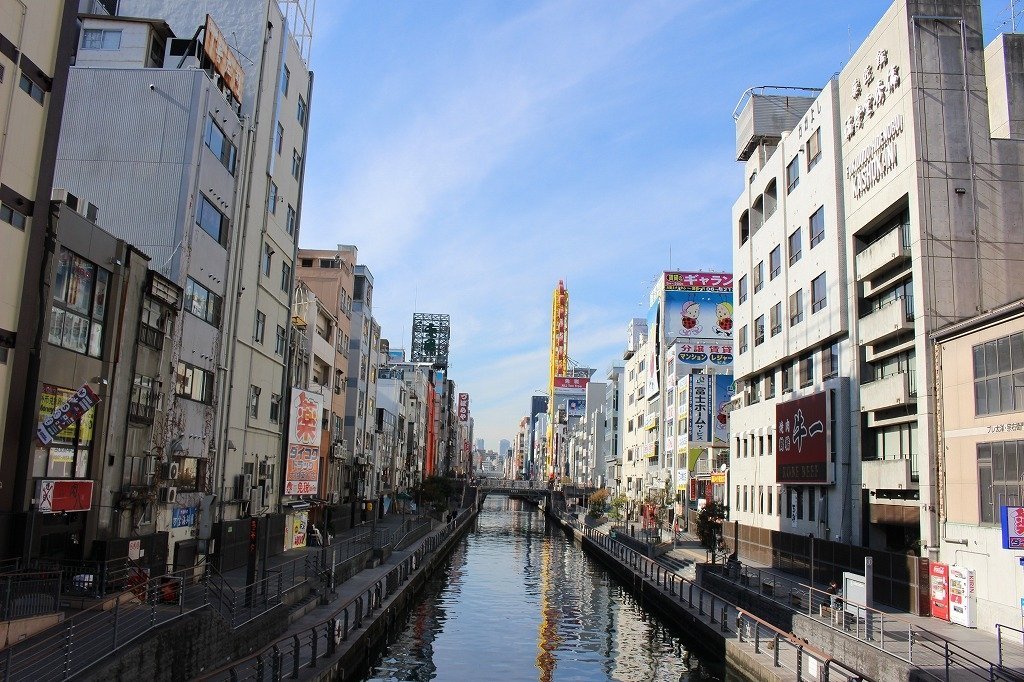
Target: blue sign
column 1013, row 527
column 183, row 517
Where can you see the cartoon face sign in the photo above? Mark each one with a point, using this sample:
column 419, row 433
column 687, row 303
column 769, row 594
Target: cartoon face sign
column 723, row 416
column 723, row 314
column 690, row 314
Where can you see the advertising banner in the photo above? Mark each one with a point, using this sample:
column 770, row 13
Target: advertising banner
column 183, row 517
column 724, row 389
column 802, row 440
column 1012, row 519
column 300, row 523
column 68, row 495
column 576, row 407
column 698, row 305
column 463, row 407
column 302, row 470
column 223, row 59
column 699, row 426
column 64, row 415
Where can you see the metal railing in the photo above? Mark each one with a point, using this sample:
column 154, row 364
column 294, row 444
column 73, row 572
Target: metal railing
column 935, row 655
column 288, row 655
column 87, row 637
column 1010, row 643
column 95, row 579
column 29, row 594
column 767, row 643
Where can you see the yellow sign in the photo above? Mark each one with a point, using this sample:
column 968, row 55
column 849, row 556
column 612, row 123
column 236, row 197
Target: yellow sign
column 55, row 396
column 718, row 478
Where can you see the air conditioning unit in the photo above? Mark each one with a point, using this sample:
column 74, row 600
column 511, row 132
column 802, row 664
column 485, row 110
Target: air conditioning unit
column 256, row 502
column 169, row 495
column 171, row 470
column 243, row 508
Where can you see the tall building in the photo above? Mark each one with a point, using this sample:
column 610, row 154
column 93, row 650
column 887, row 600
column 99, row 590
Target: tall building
column 167, row 181
column 635, row 440
column 914, row 149
column 503, row 446
column 37, row 46
column 614, row 410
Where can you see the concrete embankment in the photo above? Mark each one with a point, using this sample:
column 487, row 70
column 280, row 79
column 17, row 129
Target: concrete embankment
column 750, row 647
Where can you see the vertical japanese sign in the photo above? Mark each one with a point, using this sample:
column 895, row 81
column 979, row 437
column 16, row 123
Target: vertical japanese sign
column 463, row 407
column 302, row 471
column 802, row 440
column 700, row 408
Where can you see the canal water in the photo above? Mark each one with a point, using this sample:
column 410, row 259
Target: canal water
column 518, row 601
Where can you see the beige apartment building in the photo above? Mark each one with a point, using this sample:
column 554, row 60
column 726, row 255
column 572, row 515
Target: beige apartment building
column 37, row 42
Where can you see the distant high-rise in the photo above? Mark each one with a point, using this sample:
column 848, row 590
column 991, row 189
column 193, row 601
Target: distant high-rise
column 480, row 444
column 503, row 446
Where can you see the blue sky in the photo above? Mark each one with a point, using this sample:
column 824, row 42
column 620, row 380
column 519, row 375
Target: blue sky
column 477, row 152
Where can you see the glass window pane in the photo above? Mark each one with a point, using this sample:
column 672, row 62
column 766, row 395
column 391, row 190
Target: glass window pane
column 81, row 281
column 1010, row 471
column 99, row 308
column 1018, row 391
column 984, row 452
column 997, row 462
column 1003, row 351
column 76, row 333
column 992, row 387
column 1017, row 351
column 60, row 282
column 991, row 357
column 985, row 494
column 1005, row 393
column 56, row 325
column 980, row 398
column 96, row 340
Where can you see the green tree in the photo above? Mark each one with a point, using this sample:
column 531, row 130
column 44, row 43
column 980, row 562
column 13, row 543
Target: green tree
column 434, row 492
column 709, row 526
column 619, row 502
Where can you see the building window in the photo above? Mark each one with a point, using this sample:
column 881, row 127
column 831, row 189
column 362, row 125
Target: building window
column 296, row 163
column 12, row 217
column 775, row 318
column 275, row 408
column 193, row 383
column 769, row 384
column 213, row 222
column 818, row 293
column 286, row 79
column 202, row 302
column 743, row 339
column 300, row 112
column 151, row 323
column 787, row 377
column 813, row 149
column 775, row 262
column 793, row 174
column 143, row 404
column 218, row 143
column 743, row 288
column 999, row 375
column 33, row 90
column 79, row 304
column 279, row 341
column 770, row 496
column 806, row 371
column 755, row 390
column 272, row 198
column 261, row 327
column 254, row 402
column 286, row 276
column 279, row 139
column 101, row 39
column 796, row 307
column 289, row 224
column 759, row 277
column 817, row 225
column 795, row 246
column 770, row 199
column 1000, row 468
column 268, row 258
column 759, row 330
column 830, row 361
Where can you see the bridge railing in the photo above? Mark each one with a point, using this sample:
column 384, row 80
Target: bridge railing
column 491, row 484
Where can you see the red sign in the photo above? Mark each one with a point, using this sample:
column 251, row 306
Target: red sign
column 940, row 591
column 802, row 440
column 698, row 281
column 53, row 497
column 571, row 382
column 463, row 407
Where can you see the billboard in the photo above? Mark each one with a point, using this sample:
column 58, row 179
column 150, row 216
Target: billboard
column 302, row 470
column 573, row 383
column 576, row 407
column 698, row 317
column 724, row 390
column 223, row 59
column 699, row 425
column 1012, row 520
column 67, row 495
column 65, row 407
column 431, row 333
column 463, row 407
column 802, row 440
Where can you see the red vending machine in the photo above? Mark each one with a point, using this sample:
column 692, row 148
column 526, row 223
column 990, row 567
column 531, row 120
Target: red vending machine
column 940, row 590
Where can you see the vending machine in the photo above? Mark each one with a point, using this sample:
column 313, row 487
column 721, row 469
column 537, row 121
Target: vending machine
column 940, row 590
column 963, row 602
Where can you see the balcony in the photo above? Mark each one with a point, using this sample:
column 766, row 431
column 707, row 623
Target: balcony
column 882, row 254
column 887, row 321
column 892, row 391
column 887, row 474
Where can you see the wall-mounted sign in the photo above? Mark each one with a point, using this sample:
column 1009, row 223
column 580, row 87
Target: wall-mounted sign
column 76, row 405
column 223, row 59
column 802, row 440
column 69, row 495
column 463, row 407
column 873, row 163
column 1012, row 519
column 183, row 517
column 302, row 470
column 571, row 382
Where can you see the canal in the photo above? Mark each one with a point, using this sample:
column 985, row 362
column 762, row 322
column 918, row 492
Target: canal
column 517, row 601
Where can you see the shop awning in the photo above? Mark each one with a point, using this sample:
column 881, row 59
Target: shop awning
column 298, row 505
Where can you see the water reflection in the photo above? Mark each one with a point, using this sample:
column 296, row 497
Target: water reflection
column 519, row 602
